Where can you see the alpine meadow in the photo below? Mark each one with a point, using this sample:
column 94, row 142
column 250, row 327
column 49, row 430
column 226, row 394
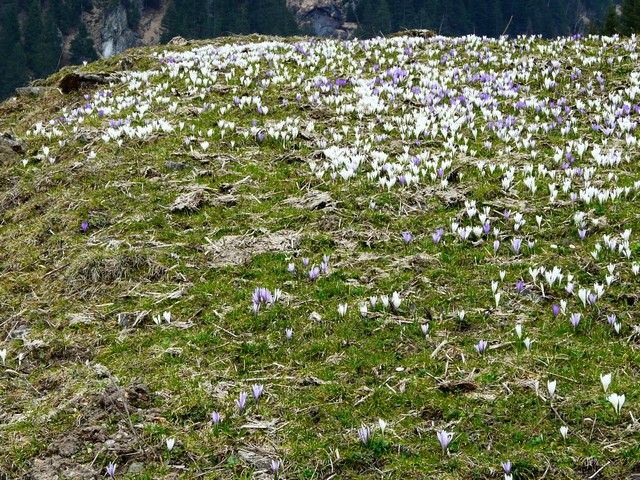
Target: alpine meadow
column 404, row 257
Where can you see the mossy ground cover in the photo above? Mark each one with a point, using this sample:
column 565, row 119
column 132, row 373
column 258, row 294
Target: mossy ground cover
column 141, row 216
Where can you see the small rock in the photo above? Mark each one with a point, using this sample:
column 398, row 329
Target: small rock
column 171, row 165
column 135, row 468
column 31, row 91
column 178, row 41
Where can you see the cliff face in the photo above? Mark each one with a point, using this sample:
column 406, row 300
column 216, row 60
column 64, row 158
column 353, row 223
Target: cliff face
column 325, row 18
column 112, row 31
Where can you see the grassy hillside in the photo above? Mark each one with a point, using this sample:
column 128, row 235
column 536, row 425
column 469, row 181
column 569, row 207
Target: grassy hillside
column 389, row 243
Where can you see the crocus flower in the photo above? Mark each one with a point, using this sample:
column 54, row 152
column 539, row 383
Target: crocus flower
column 382, row 424
column 314, row 273
column 506, row 466
column 617, row 401
column 425, row 329
column 516, row 243
column 605, row 380
column 170, row 443
column 289, row 333
column 519, row 285
column 575, row 319
column 291, row 267
column 305, row 261
column 395, row 300
column 563, row 431
column 275, row 466
column 407, row 237
column 241, row 400
column 215, row 418
column 481, row 346
column 342, row 309
column 496, row 246
column 444, row 438
column 438, row 235
column 551, row 386
column 257, row 391
column 363, row 434
column 556, row 309
column 84, row 226
column 111, row 470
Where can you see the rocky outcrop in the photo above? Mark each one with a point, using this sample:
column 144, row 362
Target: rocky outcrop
column 115, row 35
column 325, row 18
column 110, row 26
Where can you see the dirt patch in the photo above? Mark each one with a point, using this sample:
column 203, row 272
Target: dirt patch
column 56, row 467
column 238, row 249
column 197, row 197
column 106, row 268
column 312, row 200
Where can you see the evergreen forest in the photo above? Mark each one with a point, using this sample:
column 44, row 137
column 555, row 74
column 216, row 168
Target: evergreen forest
column 33, row 32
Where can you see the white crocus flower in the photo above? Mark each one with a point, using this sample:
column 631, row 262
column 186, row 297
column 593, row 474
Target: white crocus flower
column 551, row 386
column 606, row 381
column 617, row 401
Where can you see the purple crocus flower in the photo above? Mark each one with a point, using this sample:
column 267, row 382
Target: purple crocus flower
column 445, row 439
column 425, row 329
column 257, row 392
column 507, row 214
column 519, row 286
column 481, row 346
column 363, row 434
column 611, row 319
column 496, row 246
column 111, row 470
column 556, row 309
column 289, row 333
column 438, row 235
column 592, row 299
column 314, row 273
column 323, row 267
column 575, row 319
column 275, row 467
column 407, row 237
column 582, row 233
column 242, row 400
column 291, row 267
column 305, row 261
column 506, row 466
column 516, row 243
column 215, row 418
column 84, row 225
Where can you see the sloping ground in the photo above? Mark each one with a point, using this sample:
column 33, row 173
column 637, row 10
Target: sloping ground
column 439, row 233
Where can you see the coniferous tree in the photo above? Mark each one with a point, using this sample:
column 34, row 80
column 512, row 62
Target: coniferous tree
column 612, row 24
column 48, row 54
column 630, row 14
column 82, row 48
